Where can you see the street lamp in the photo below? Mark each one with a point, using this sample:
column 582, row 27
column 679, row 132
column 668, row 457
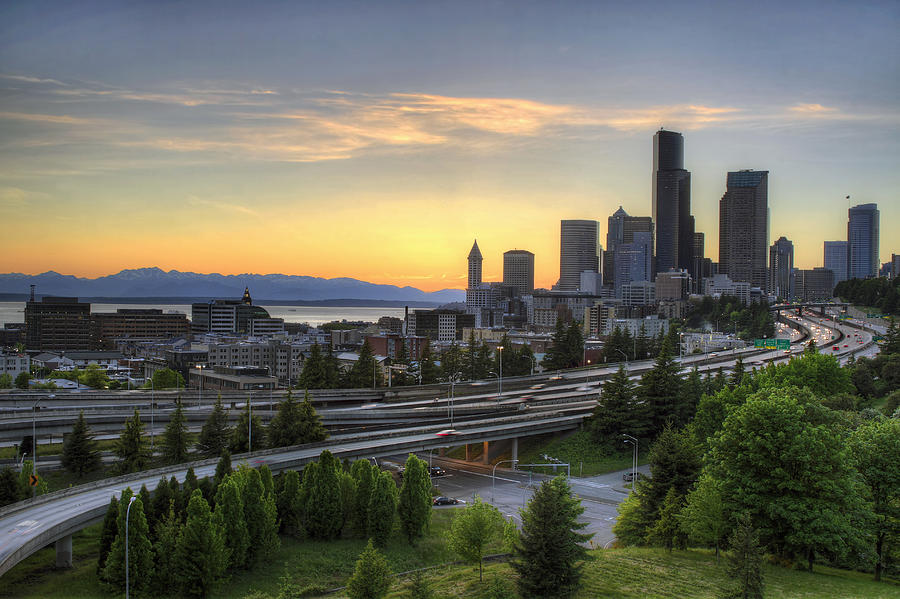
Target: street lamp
column 634, row 442
column 494, row 472
column 500, row 379
column 127, row 513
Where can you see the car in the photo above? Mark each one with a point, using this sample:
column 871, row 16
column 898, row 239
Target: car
column 444, row 501
column 630, row 476
column 436, row 471
column 447, row 432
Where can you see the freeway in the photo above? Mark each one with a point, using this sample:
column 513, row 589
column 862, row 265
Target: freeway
column 30, row 525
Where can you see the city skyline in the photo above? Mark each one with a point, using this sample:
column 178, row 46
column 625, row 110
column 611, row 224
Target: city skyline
column 377, row 142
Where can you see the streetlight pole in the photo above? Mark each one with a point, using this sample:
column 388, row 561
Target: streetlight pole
column 500, row 379
column 127, row 513
column 634, row 442
column 494, row 472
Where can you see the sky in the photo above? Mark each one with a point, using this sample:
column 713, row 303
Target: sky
column 377, row 140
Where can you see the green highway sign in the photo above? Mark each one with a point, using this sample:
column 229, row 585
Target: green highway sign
column 772, row 343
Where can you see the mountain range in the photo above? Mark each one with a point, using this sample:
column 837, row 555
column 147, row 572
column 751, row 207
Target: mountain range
column 156, row 283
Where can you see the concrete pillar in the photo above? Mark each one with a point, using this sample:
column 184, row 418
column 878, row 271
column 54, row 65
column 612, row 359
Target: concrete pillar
column 64, row 552
column 485, row 456
column 515, row 450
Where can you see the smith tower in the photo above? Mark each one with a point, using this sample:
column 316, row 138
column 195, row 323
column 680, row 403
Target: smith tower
column 672, row 203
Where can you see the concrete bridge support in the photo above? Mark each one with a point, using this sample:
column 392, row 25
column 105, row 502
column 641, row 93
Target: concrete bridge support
column 64, row 552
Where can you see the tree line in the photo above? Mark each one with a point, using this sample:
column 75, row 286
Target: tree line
column 777, row 456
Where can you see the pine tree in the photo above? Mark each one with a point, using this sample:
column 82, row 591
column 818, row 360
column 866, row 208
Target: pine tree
column 174, row 443
column 324, row 513
column 372, row 576
column 666, row 531
column 313, row 375
column 140, row 551
column 215, row 434
column 261, row 517
column 382, row 508
column 284, row 428
column 223, row 468
column 549, row 558
column 201, row 556
column 240, row 433
column 230, row 513
column 80, row 454
column 309, row 423
column 362, row 473
column 162, row 500
column 288, row 504
column 108, row 533
column 414, row 506
column 164, row 549
column 744, row 568
column 131, row 448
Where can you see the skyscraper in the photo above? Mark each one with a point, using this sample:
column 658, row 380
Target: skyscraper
column 621, row 228
column 744, row 227
column 836, row 259
column 862, row 241
column 781, row 266
column 671, row 202
column 578, row 251
column 475, row 259
column 518, row 270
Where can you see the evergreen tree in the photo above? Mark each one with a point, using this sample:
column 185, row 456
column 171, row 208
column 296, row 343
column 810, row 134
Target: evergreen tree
column 215, row 434
column 371, row 577
column 140, row 550
column 240, row 434
column 666, row 531
column 658, row 390
column 175, row 440
column 382, row 508
column 230, row 513
column 108, row 533
column 364, row 372
column 472, row 529
column 201, row 556
column 261, row 517
column 284, row 429
column 80, row 454
column 288, row 504
column 324, row 513
column 313, row 375
column 414, row 507
column 617, row 412
column 9, row 487
column 549, row 556
column 309, row 423
column 162, row 500
column 130, row 448
column 744, row 568
column 223, row 468
column 428, row 370
column 362, row 473
column 164, row 549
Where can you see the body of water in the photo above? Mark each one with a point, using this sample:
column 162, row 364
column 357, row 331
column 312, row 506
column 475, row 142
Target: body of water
column 314, row 315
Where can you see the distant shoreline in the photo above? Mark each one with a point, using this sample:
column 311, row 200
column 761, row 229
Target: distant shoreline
column 336, row 303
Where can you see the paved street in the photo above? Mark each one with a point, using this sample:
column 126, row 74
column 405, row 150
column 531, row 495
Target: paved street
column 511, row 490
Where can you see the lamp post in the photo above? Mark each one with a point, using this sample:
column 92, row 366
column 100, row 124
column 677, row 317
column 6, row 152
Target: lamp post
column 500, row 379
column 199, row 384
column 634, row 442
column 127, row 513
column 494, row 472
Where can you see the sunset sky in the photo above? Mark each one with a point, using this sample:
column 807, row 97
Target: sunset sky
column 376, row 140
